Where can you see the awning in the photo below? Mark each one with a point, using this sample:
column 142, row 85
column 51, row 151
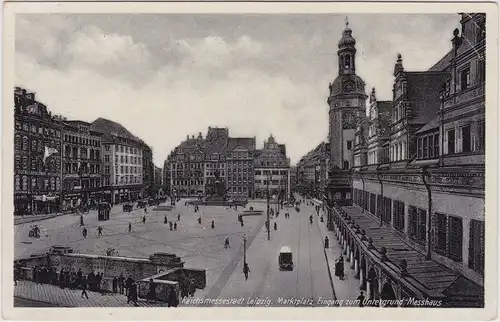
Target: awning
column 45, row 198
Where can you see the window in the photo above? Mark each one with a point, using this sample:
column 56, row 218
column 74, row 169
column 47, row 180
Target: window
column 349, row 145
column 451, row 141
column 481, row 69
column 466, row 139
column 436, row 145
column 465, row 79
column 481, row 135
column 412, row 222
column 481, row 31
column 476, row 246
column 346, row 165
column 455, row 238
column 421, row 226
column 441, row 233
column 431, row 146
column 426, row 148
column 399, row 215
column 372, row 203
column 420, row 148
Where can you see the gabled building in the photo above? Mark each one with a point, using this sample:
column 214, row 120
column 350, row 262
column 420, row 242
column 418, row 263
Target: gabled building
column 379, row 117
column 122, row 162
column 82, row 165
column 272, row 171
column 37, row 156
column 415, row 103
column 240, row 154
column 423, row 209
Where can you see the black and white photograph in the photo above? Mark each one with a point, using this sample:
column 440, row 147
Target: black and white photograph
column 251, row 160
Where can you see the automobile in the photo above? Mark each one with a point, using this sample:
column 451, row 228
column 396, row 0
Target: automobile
column 285, row 259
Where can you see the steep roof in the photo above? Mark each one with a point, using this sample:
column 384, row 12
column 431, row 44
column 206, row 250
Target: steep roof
column 423, row 95
column 112, row 128
column 433, row 124
column 443, row 63
column 248, row 143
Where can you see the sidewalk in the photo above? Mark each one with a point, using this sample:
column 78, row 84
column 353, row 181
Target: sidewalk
column 33, row 218
column 349, row 288
column 46, row 293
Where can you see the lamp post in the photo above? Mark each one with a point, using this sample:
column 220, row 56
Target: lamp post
column 268, row 221
column 244, row 248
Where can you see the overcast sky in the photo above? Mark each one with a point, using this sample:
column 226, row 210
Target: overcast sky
column 164, row 76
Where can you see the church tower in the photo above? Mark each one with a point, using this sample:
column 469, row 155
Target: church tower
column 347, row 103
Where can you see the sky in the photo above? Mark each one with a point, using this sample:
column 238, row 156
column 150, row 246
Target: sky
column 164, row 76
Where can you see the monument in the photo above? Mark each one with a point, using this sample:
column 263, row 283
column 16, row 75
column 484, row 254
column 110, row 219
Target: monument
column 216, row 191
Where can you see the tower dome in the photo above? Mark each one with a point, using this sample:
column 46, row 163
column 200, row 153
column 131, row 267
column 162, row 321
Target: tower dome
column 347, row 40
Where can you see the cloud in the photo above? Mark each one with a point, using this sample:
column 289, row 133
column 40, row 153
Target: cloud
column 255, row 84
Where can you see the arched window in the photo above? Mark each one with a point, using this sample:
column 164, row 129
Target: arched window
column 58, row 184
column 33, row 182
column 25, row 163
column 347, row 63
column 17, row 142
column 18, row 162
column 33, row 145
column 17, row 183
column 25, row 183
column 25, row 143
column 53, row 183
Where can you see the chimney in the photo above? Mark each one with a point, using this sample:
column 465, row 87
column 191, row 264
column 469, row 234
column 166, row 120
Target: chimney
column 187, row 137
column 200, row 137
column 192, row 136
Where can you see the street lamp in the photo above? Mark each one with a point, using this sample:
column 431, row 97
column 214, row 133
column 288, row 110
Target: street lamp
column 244, row 248
column 268, row 220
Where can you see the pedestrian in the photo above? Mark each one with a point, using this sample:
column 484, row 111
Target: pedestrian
column 145, row 210
column 213, row 224
column 321, row 218
column 81, row 220
column 115, row 284
column 171, row 225
column 173, row 301
column 361, row 299
column 143, row 219
column 327, row 242
column 226, row 243
column 128, row 285
column 133, row 293
column 175, row 225
column 275, row 226
column 165, row 220
column 152, row 291
column 199, row 220
column 121, row 283
column 246, row 270
column 16, row 274
column 84, row 288
column 98, row 279
column 129, row 227
column 178, row 217
column 99, row 231
column 79, row 276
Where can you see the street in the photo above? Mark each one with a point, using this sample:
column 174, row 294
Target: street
column 306, row 285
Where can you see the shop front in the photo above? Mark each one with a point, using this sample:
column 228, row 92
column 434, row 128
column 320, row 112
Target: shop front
column 22, row 205
column 45, row 204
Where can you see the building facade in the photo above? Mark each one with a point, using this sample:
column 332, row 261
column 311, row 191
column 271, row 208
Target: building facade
column 82, row 165
column 426, row 193
column 240, row 172
column 123, row 160
column 147, row 170
column 37, row 156
column 272, row 171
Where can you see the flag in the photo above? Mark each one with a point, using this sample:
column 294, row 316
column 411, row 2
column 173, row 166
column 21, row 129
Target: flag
column 32, row 109
column 48, row 152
